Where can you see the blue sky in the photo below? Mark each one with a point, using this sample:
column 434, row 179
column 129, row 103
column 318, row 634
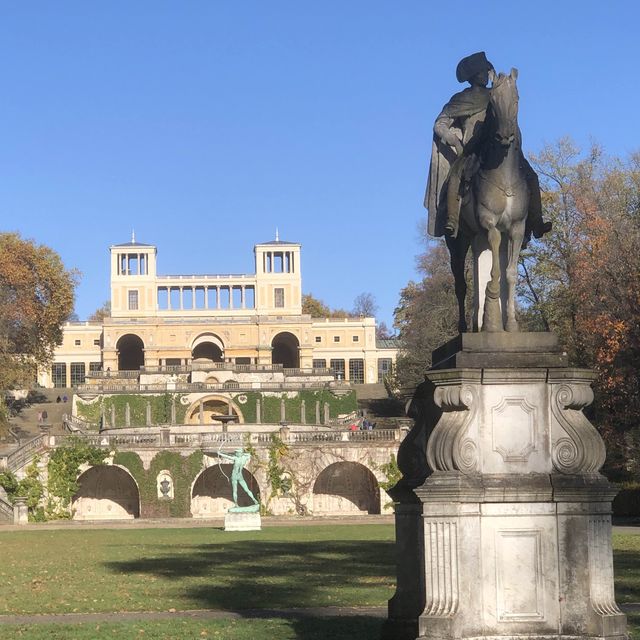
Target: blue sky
column 206, row 125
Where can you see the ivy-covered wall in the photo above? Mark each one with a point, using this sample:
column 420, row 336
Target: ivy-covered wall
column 160, row 409
column 271, row 405
column 183, row 471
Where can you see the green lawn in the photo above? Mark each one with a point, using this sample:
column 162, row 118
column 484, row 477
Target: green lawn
column 264, row 629
column 112, row 570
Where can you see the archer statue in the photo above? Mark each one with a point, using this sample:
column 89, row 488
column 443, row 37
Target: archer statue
column 481, row 189
column 240, row 458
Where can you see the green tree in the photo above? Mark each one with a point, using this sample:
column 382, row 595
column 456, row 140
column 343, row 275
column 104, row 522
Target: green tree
column 426, row 316
column 101, row 313
column 36, row 297
column 314, row 307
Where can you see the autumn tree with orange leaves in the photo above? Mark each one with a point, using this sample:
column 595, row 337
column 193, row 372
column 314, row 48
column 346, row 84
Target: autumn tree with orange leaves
column 583, row 283
column 36, row 297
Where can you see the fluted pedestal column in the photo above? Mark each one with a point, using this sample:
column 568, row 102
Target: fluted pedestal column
column 503, row 524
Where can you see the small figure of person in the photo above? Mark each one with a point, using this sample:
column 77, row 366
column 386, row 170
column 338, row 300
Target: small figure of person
column 64, row 398
column 58, row 400
column 45, row 415
column 239, row 459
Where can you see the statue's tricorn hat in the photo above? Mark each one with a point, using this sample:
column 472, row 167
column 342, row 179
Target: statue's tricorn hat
column 469, row 66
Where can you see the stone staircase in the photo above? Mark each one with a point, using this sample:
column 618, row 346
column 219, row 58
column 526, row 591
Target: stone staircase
column 374, row 402
column 25, row 423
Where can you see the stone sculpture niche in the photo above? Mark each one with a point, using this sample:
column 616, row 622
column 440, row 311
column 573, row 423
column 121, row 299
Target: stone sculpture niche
column 165, row 485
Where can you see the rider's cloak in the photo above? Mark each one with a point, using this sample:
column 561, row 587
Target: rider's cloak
column 462, row 114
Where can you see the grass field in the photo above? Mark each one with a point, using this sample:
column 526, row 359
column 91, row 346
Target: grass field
column 117, row 570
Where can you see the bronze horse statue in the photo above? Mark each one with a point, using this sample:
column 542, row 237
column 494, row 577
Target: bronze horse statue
column 493, row 212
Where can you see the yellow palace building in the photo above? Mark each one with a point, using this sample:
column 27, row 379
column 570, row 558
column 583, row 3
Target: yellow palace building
column 162, row 321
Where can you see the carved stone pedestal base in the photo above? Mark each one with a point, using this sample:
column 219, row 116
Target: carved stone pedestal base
column 507, row 534
column 242, row 521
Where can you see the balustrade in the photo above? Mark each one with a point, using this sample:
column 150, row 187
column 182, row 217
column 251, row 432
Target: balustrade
column 190, row 387
column 238, row 438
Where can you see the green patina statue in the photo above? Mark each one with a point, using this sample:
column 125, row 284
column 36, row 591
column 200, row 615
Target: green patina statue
column 240, row 458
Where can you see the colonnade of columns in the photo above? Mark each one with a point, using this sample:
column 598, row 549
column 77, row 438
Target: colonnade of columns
column 132, row 264
column 278, row 262
column 207, row 293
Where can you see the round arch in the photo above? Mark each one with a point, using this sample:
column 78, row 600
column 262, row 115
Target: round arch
column 106, row 492
column 211, row 492
column 346, row 487
column 285, row 350
column 212, row 406
column 208, row 346
column 130, row 349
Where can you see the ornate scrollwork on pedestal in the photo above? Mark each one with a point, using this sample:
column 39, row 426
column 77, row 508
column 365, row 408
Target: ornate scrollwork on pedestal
column 583, row 451
column 448, row 448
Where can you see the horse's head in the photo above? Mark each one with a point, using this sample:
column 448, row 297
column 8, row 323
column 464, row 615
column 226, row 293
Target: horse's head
column 504, row 104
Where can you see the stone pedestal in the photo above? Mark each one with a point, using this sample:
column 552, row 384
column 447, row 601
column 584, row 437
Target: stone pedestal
column 242, row 521
column 20, row 511
column 503, row 525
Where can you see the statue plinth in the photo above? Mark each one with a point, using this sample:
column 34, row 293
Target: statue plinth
column 242, row 521
column 490, row 350
column 503, row 521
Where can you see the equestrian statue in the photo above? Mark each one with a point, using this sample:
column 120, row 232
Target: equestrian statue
column 482, row 193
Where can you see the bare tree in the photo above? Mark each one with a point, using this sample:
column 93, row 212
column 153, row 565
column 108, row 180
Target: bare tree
column 365, row 305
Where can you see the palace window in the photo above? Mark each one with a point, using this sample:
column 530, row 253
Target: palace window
column 77, row 343
column 77, row 373
column 320, row 363
column 356, row 370
column 318, row 338
column 95, row 366
column 336, row 338
column 356, row 338
column 278, row 297
column 59, row 374
column 96, row 342
column 338, row 368
column 384, row 368
column 133, row 300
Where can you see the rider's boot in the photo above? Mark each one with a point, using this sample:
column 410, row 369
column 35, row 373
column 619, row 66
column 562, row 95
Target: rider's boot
column 451, row 228
column 540, row 227
column 453, row 217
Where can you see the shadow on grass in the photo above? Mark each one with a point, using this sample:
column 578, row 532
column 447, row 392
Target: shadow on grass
column 627, row 575
column 259, row 574
column 336, row 628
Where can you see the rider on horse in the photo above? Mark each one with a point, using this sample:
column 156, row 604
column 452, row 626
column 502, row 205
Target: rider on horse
column 458, row 138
